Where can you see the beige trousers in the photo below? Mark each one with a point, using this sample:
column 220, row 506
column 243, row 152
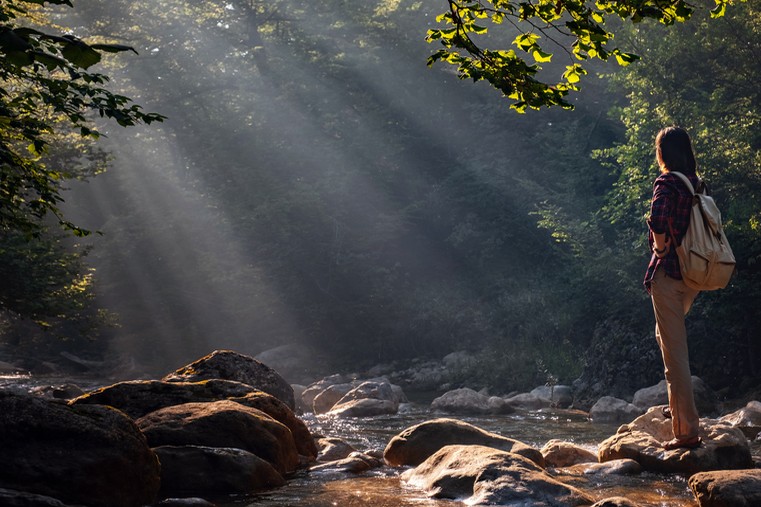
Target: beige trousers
column 671, row 302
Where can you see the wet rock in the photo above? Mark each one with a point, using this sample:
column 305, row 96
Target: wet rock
column 736, row 488
column 92, row 455
column 223, row 424
column 230, row 365
column 487, row 476
column 280, row 412
column 369, row 398
column 315, row 388
column 468, row 401
column 613, row 467
column 558, row 453
column 616, row 501
column 723, row 447
column 364, row 408
column 528, row 401
column 748, row 419
column 416, row 443
column 355, row 463
column 706, row 400
column 333, row 449
column 58, row 391
column 10, row 369
column 327, row 398
column 13, row 498
column 613, row 410
column 213, row 471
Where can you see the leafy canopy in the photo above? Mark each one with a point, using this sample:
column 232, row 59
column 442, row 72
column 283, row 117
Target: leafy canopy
column 578, row 28
column 45, row 86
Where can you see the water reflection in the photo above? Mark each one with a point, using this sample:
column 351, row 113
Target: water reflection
column 382, row 488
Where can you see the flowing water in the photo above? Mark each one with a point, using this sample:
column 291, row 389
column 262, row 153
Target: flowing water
column 382, row 487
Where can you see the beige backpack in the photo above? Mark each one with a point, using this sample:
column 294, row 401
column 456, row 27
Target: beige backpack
column 706, row 260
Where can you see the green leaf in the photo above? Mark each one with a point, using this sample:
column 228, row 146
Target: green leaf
column 541, row 57
column 80, row 54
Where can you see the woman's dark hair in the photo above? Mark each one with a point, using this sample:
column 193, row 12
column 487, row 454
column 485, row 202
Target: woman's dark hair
column 673, row 150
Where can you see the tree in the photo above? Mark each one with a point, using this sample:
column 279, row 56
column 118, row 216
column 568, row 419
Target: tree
column 46, row 87
column 580, row 29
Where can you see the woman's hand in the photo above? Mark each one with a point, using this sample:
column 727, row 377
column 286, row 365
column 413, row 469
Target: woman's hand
column 661, row 245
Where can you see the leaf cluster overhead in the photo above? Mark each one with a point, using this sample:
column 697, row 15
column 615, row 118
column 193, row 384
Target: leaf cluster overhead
column 577, row 28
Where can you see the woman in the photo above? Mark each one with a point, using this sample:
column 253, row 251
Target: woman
column 670, row 214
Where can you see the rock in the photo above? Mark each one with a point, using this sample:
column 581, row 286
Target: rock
column 13, row 498
column 486, row 476
column 706, row 400
column 327, row 398
column 723, row 447
column 280, row 412
column 311, row 392
column 562, row 454
column 613, row 410
column 415, row 444
column 559, row 396
column 90, row 455
column 369, row 398
column 356, row 463
column 58, row 392
column 137, row 398
column 528, row 401
column 748, row 419
column 616, row 501
column 10, row 369
column 364, row 408
column 736, row 488
column 333, row 449
column 613, row 467
column 223, row 424
column 230, row 365
column 468, row 401
column 200, row 470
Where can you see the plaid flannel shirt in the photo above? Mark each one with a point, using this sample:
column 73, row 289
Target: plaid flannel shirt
column 671, row 201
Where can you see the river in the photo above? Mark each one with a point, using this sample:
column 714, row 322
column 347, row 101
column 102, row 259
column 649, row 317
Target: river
column 382, row 487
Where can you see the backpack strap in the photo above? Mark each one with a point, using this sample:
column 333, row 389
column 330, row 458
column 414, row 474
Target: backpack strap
column 686, row 181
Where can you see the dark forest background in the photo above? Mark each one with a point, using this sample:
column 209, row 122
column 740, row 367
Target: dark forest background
column 315, row 184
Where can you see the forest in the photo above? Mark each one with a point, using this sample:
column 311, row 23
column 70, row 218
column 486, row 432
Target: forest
column 297, row 174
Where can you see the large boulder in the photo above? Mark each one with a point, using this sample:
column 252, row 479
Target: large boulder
column 137, row 398
column 613, row 410
column 230, row 365
column 223, row 424
column 467, row 401
column 415, row 444
column 91, row 455
column 723, row 447
column 333, row 449
column 198, row 470
column 486, row 476
column 315, row 388
column 748, row 419
column 706, row 400
column 140, row 397
column 727, row 488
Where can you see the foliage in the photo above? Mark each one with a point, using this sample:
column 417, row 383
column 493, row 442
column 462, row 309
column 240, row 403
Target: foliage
column 580, row 29
column 45, row 80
